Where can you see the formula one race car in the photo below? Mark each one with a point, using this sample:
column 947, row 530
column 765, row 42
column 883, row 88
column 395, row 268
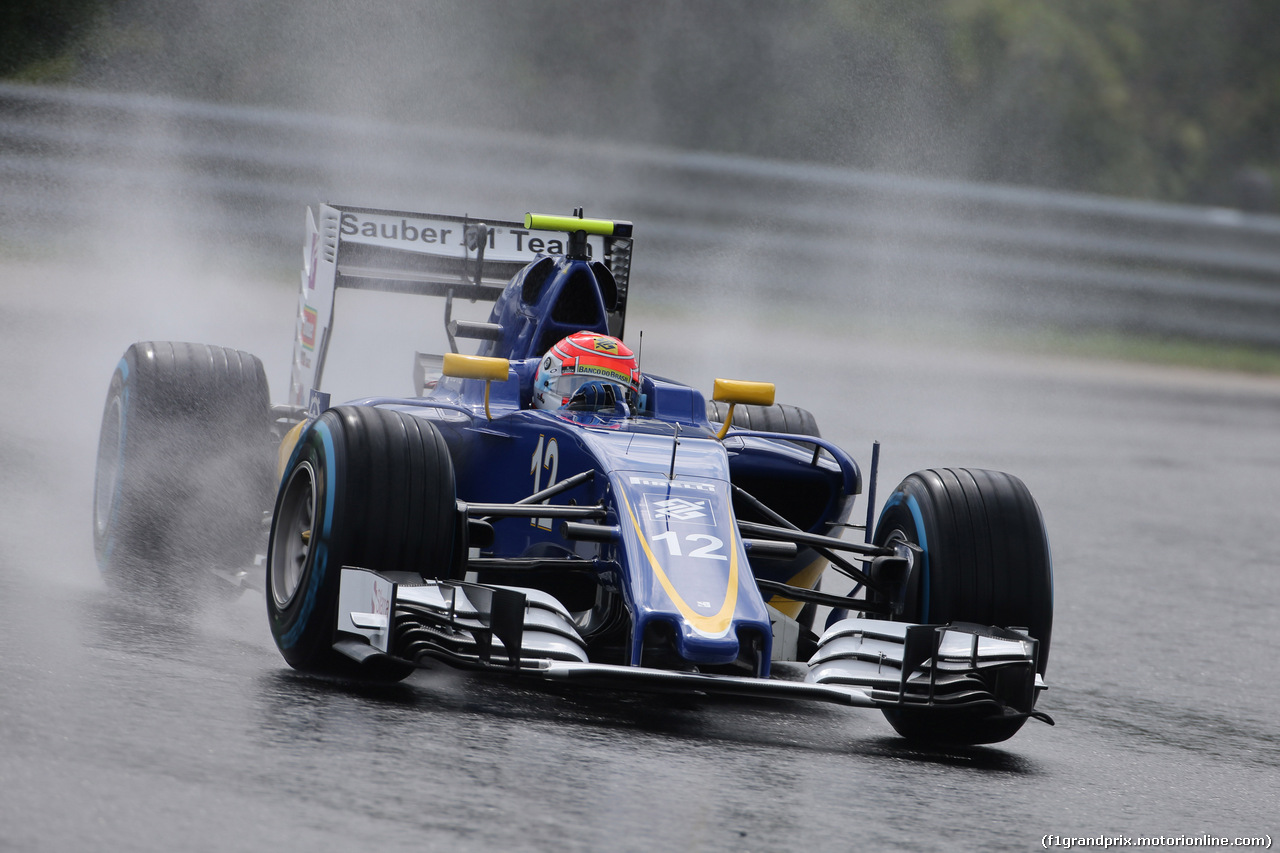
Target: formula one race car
column 543, row 508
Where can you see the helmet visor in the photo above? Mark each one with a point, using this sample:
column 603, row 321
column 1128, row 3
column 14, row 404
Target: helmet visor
column 569, row 383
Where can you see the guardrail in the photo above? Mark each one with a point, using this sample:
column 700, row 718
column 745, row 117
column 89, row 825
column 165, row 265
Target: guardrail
column 889, row 247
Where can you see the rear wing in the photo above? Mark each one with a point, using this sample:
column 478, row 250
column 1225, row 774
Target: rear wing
column 425, row 254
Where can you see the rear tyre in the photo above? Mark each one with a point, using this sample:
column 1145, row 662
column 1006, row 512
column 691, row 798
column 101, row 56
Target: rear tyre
column 986, row 560
column 184, row 469
column 365, row 487
column 776, row 418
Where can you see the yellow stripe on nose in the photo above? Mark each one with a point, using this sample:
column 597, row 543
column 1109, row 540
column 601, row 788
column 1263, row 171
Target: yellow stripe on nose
column 716, row 625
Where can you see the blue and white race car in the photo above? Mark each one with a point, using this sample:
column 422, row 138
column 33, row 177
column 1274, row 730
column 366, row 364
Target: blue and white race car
column 545, row 509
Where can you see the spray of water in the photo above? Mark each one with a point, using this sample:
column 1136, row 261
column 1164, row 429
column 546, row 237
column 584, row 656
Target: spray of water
column 397, row 104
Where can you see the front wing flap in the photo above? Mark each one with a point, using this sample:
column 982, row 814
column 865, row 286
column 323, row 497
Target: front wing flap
column 957, row 665
column 452, row 621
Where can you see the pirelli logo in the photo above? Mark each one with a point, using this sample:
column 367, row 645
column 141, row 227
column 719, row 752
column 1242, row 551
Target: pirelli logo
column 673, row 484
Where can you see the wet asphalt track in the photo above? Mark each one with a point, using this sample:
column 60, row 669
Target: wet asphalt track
column 136, row 726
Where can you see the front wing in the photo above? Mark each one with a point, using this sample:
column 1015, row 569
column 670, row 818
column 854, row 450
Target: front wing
column 385, row 626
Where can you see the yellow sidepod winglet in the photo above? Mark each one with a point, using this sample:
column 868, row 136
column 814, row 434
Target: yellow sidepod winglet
column 735, row 391
column 287, row 444
column 477, row 367
column 806, row 578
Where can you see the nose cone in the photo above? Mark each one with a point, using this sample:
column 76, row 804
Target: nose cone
column 685, row 572
column 699, row 648
column 666, row 640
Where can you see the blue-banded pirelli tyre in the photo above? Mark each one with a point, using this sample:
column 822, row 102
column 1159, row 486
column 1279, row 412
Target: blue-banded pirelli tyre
column 185, row 467
column 365, row 487
column 986, row 560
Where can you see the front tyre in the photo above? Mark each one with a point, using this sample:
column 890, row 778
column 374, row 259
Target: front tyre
column 986, row 560
column 365, row 487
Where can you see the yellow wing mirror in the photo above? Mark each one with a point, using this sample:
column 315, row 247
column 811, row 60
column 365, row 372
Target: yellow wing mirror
column 476, row 367
column 735, row 391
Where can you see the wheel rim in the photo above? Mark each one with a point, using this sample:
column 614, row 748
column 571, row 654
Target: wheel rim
column 894, row 537
column 292, row 543
column 108, row 469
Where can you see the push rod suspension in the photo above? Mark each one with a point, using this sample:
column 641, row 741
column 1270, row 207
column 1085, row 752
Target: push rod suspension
column 785, row 528
column 796, row 593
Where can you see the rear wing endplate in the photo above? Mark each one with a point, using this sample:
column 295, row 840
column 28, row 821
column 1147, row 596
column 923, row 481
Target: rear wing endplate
column 425, row 254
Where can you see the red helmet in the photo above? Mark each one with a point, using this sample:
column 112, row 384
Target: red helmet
column 581, row 358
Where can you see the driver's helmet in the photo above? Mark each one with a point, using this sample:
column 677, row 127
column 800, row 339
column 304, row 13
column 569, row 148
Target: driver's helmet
column 581, row 358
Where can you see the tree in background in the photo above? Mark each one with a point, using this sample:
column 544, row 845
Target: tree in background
column 1173, row 99
column 1163, row 99
column 36, row 35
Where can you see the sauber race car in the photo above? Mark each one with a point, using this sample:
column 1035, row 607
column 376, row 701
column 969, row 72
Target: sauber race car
column 543, row 507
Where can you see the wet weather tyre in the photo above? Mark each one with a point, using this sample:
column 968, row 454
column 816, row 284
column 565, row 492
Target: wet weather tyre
column 365, row 487
column 184, row 468
column 779, row 417
column 986, row 560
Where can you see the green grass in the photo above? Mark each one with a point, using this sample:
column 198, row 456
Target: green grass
column 1148, row 349
column 1096, row 345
